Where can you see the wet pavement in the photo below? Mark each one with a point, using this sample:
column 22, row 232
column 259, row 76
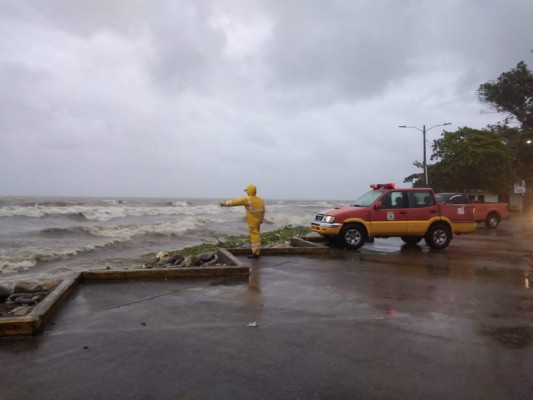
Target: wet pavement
column 386, row 322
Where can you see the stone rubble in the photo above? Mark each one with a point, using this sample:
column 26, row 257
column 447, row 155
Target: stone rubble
column 24, row 296
column 167, row 260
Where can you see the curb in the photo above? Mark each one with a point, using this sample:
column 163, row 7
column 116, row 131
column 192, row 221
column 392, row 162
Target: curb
column 299, row 246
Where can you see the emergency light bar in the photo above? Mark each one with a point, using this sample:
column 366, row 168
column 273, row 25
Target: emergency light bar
column 383, row 186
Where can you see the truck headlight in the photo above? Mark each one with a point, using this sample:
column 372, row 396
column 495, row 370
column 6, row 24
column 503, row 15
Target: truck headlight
column 328, row 219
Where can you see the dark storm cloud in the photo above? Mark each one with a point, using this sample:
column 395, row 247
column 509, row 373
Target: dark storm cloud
column 20, row 98
column 193, row 95
column 86, row 18
column 187, row 50
column 349, row 50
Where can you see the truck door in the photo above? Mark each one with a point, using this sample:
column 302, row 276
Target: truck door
column 392, row 218
column 458, row 213
column 422, row 209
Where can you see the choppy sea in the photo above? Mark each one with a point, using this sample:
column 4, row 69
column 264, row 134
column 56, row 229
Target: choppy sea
column 50, row 237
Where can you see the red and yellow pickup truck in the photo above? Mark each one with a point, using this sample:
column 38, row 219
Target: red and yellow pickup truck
column 489, row 213
column 386, row 211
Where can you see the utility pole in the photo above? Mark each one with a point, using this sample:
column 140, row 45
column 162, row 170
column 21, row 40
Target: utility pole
column 424, row 130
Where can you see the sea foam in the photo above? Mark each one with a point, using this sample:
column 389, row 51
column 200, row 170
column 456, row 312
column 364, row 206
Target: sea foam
column 105, row 213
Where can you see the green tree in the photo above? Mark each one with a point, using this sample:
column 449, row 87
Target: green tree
column 516, row 140
column 417, row 179
column 511, row 93
column 472, row 159
column 493, row 158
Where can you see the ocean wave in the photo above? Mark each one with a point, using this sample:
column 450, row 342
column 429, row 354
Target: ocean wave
column 285, row 219
column 180, row 203
column 106, row 213
column 295, row 206
column 16, row 265
column 22, row 262
column 83, row 239
column 168, row 228
column 113, row 202
column 65, row 232
column 51, row 204
column 316, row 204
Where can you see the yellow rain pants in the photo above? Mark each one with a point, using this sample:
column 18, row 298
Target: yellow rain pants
column 255, row 213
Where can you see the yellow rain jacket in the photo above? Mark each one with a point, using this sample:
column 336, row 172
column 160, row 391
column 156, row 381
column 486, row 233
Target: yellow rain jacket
column 255, row 213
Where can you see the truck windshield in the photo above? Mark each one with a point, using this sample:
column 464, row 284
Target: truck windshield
column 367, row 199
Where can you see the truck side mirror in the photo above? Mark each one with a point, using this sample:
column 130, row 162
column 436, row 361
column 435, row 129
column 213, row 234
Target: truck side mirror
column 378, row 205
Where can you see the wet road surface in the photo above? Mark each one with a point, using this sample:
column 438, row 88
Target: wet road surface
column 385, row 322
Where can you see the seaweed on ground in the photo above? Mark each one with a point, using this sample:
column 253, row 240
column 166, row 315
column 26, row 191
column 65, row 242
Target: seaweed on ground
column 280, row 235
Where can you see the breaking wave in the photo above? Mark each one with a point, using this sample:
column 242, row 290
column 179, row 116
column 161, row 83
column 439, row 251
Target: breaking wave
column 168, row 228
column 105, row 213
column 93, row 238
column 25, row 261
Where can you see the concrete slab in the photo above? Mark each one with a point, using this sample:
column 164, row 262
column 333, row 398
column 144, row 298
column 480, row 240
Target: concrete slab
column 330, row 326
column 35, row 321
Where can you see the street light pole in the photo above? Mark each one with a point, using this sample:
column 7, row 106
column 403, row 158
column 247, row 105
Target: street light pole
column 426, row 178
column 424, row 130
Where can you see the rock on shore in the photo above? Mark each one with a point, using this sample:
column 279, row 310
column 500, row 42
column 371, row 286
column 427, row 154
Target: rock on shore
column 169, row 260
column 21, row 300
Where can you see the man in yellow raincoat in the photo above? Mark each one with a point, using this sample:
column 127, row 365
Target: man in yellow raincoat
column 255, row 213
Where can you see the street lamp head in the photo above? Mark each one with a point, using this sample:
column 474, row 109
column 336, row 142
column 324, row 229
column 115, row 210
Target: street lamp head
column 528, row 141
column 424, row 127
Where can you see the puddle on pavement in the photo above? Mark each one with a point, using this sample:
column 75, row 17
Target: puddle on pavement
column 230, row 281
column 512, row 337
column 440, row 265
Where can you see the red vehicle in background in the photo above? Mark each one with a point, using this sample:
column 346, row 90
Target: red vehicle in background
column 386, row 211
column 489, row 213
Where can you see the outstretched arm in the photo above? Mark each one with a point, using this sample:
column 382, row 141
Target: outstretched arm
column 235, row 202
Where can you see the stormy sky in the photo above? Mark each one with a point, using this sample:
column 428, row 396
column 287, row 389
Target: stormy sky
column 198, row 98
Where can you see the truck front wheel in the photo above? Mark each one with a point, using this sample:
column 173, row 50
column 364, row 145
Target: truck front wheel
column 353, row 236
column 438, row 236
column 492, row 221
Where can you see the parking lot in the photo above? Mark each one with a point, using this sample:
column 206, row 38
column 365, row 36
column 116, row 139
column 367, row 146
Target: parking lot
column 389, row 321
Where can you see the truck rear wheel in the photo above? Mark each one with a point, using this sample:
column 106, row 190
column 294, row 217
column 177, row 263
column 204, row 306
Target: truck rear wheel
column 492, row 221
column 353, row 236
column 438, row 236
column 411, row 239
